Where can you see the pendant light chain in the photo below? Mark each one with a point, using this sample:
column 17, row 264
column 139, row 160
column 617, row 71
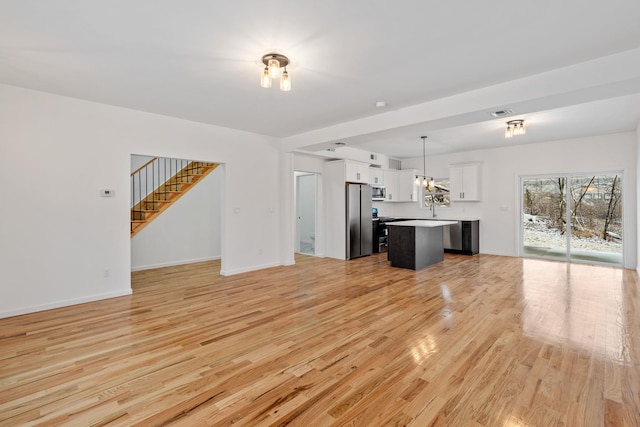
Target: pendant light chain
column 424, row 157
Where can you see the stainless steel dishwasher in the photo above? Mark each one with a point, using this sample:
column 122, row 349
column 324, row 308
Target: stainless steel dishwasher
column 452, row 236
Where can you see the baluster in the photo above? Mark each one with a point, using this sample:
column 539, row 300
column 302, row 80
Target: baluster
column 140, row 195
column 153, row 183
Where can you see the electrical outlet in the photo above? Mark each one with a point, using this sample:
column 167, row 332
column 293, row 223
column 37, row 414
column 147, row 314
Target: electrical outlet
column 107, row 273
column 259, row 251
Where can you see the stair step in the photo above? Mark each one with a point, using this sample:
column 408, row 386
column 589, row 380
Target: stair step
column 159, row 200
column 152, row 205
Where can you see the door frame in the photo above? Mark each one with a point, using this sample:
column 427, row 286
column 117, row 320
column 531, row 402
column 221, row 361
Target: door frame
column 318, row 213
column 568, row 175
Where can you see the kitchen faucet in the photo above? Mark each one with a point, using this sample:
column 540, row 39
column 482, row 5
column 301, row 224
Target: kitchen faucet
column 433, row 210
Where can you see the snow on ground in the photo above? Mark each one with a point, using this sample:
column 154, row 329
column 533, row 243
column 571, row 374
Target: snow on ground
column 538, row 234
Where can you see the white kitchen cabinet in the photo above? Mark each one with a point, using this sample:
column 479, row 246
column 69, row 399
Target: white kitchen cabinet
column 356, row 172
column 465, row 182
column 400, row 185
column 376, row 176
column 334, row 223
column 391, row 184
column 407, row 188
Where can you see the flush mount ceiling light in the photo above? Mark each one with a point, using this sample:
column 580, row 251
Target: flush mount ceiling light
column 424, row 180
column 273, row 62
column 514, row 128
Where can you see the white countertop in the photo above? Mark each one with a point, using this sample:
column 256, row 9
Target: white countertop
column 421, row 223
column 443, row 218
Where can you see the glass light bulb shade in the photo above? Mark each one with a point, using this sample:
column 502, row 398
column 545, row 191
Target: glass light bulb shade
column 285, row 82
column 431, row 183
column 508, row 133
column 425, row 183
column 417, row 180
column 265, row 80
column 274, row 68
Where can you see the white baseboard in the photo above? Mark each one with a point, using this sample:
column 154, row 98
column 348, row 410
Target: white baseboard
column 64, row 303
column 248, row 269
column 173, row 263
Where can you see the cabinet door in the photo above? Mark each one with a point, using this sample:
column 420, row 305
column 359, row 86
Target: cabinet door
column 391, row 184
column 406, row 186
column 471, row 183
column 356, row 172
column 465, row 183
column 376, row 177
column 455, row 183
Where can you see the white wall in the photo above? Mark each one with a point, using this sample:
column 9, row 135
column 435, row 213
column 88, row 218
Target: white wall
column 188, row 231
column 138, row 161
column 304, row 163
column 501, row 168
column 57, row 240
column 637, row 190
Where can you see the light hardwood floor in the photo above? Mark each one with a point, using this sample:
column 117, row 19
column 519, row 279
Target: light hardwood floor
column 472, row 341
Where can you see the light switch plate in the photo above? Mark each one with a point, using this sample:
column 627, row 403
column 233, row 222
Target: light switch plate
column 107, row 193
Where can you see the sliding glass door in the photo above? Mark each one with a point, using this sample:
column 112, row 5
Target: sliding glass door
column 573, row 217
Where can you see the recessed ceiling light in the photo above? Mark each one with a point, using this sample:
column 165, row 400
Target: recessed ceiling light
column 501, row 113
column 340, row 143
column 381, row 104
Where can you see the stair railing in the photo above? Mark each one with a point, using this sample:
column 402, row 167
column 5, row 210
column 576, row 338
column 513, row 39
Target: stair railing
column 154, row 182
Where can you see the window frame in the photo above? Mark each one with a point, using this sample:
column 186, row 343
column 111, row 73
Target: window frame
column 445, row 194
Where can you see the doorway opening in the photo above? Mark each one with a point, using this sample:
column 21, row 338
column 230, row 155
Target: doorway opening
column 306, row 212
column 186, row 212
column 573, row 217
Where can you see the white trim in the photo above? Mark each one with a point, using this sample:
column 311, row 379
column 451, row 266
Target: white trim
column 64, row 303
column 568, row 176
column 248, row 269
column 174, row 263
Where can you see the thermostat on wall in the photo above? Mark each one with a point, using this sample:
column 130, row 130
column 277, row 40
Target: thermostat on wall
column 107, row 193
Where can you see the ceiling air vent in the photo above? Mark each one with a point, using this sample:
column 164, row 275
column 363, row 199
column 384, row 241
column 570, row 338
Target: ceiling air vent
column 395, row 164
column 501, row 113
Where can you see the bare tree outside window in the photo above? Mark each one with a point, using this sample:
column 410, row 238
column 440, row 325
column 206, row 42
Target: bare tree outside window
column 592, row 204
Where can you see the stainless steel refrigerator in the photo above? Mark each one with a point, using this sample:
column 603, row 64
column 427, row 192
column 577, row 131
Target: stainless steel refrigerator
column 359, row 226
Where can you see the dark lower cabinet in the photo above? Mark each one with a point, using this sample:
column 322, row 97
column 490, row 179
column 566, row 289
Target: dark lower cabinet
column 470, row 237
column 415, row 247
column 462, row 238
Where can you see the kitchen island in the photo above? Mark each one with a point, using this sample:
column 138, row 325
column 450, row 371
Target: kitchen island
column 416, row 244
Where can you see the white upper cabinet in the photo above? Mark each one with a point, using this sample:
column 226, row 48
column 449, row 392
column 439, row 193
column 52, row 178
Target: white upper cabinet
column 376, row 176
column 407, row 189
column 391, row 184
column 465, row 182
column 400, row 185
column 356, row 172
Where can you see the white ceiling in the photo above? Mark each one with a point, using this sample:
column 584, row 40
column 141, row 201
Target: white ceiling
column 200, row 60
